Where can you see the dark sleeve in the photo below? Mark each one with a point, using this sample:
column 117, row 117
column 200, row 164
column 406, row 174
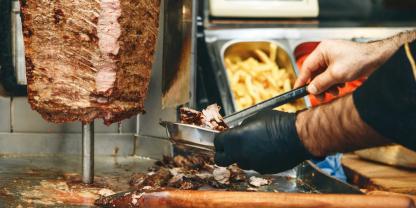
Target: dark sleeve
column 387, row 100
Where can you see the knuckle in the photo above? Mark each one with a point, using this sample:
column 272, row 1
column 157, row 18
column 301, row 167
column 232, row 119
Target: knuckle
column 332, row 74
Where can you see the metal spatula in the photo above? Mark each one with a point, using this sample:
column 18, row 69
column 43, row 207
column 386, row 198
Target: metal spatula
column 203, row 138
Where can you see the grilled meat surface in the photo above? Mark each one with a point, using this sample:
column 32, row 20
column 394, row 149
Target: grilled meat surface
column 208, row 118
column 89, row 59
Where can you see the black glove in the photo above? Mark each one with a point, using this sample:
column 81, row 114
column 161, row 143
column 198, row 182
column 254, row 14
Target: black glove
column 266, row 142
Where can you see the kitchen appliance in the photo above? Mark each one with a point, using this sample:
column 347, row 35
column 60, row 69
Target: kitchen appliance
column 29, row 143
column 264, row 8
column 190, row 50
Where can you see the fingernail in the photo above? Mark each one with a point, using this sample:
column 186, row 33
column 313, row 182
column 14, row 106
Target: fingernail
column 312, row 89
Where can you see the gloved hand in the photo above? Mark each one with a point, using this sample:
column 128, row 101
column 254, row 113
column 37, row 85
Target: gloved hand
column 266, row 142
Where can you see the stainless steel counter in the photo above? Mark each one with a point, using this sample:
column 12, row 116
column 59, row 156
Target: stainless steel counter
column 53, row 181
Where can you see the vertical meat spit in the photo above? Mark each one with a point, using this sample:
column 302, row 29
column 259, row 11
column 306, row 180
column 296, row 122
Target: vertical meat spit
column 88, row 153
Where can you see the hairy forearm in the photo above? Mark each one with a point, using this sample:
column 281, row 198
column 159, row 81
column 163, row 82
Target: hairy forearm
column 338, row 126
column 382, row 50
column 402, row 38
column 335, row 127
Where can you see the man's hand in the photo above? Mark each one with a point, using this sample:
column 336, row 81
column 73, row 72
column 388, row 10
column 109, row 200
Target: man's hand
column 335, row 62
column 266, row 142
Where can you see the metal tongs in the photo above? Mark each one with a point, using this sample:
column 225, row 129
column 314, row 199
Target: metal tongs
column 203, row 138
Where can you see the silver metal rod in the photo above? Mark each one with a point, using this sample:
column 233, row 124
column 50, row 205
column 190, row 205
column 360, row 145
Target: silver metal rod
column 88, row 153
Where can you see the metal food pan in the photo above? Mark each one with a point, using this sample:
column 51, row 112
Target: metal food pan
column 244, row 48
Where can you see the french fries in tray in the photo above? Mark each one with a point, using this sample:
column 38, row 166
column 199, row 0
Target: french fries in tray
column 258, row 77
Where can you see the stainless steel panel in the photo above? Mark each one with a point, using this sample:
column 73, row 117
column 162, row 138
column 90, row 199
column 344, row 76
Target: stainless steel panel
column 27, row 120
column 152, row 147
column 52, row 143
column 18, row 49
column 179, row 50
column 305, row 34
column 126, row 126
column 310, row 174
column 105, row 144
column 4, row 114
column 148, row 123
column 114, row 144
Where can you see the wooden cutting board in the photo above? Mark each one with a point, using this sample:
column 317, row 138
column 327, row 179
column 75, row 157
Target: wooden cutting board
column 377, row 176
column 230, row 199
column 396, row 155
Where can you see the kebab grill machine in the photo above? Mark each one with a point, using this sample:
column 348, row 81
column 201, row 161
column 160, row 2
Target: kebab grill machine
column 39, row 159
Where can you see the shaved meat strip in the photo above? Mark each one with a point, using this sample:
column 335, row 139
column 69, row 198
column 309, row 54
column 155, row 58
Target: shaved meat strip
column 208, row 118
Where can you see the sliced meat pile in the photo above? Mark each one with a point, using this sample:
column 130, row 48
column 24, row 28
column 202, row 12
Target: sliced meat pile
column 89, row 59
column 191, row 172
column 208, row 118
column 187, row 173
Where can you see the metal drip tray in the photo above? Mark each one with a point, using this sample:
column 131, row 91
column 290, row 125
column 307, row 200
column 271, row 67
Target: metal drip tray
column 52, row 181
